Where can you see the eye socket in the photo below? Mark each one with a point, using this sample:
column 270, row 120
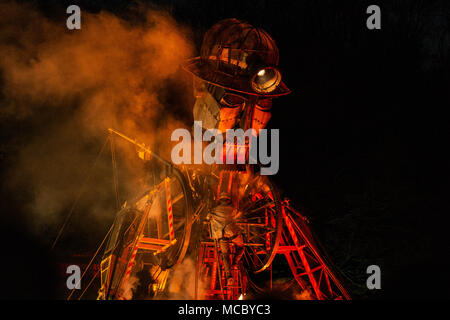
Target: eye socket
column 232, row 100
column 264, row 104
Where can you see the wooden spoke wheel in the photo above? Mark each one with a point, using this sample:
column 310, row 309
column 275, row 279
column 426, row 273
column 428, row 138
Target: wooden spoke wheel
column 260, row 223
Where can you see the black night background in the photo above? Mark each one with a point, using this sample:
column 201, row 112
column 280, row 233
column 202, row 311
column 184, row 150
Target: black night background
column 363, row 137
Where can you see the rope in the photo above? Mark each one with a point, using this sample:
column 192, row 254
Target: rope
column 95, row 275
column 72, row 209
column 115, row 175
column 90, row 262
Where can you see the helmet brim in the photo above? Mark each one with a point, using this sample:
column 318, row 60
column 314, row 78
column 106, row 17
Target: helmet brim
column 207, row 72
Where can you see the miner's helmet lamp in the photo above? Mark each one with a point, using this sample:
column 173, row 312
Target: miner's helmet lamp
column 239, row 57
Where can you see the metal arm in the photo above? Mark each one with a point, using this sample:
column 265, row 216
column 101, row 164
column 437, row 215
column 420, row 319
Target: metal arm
column 142, row 146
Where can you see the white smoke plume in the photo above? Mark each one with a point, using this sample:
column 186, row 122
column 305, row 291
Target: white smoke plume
column 129, row 287
column 182, row 281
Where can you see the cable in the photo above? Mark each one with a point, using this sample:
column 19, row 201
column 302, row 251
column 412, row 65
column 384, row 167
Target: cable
column 90, row 262
column 72, row 209
column 115, row 175
column 95, row 275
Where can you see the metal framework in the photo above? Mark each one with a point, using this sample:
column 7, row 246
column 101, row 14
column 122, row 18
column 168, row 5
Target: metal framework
column 156, row 231
column 297, row 246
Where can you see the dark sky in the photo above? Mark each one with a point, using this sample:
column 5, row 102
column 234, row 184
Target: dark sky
column 363, row 135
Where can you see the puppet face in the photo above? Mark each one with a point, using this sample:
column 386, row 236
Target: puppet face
column 223, row 109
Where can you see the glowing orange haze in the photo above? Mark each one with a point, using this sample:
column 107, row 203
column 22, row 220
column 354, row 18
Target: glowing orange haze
column 115, row 66
column 111, row 73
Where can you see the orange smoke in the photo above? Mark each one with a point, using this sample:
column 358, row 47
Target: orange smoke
column 116, row 67
column 111, row 73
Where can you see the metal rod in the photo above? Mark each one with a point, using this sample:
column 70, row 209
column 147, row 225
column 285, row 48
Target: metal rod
column 141, row 145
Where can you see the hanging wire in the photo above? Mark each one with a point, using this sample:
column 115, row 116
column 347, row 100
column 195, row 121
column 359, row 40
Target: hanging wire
column 90, row 282
column 90, row 262
column 95, row 254
column 115, row 174
column 83, row 186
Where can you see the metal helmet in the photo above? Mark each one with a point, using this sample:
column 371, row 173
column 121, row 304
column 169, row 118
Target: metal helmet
column 239, row 57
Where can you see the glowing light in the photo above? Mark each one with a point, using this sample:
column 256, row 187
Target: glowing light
column 266, row 80
column 241, row 297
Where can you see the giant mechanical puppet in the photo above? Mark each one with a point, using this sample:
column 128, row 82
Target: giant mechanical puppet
column 228, row 219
